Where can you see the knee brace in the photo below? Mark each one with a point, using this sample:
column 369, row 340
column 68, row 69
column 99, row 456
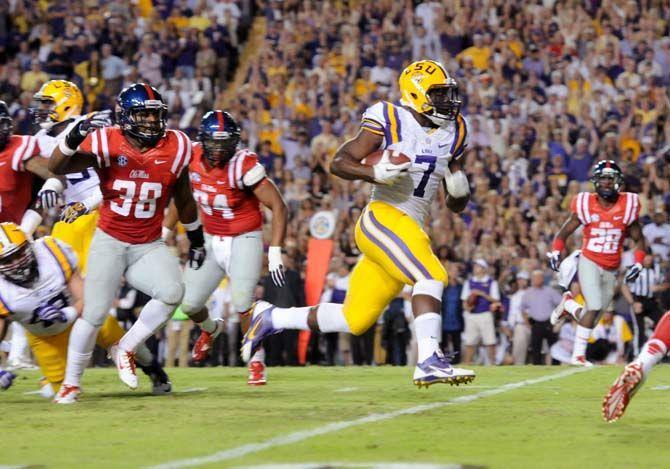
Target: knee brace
column 170, row 294
column 432, row 288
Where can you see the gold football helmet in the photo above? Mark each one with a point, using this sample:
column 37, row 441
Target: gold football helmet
column 18, row 263
column 56, row 101
column 426, row 87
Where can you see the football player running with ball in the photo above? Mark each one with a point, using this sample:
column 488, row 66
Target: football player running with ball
column 429, row 129
column 608, row 216
column 230, row 185
column 140, row 164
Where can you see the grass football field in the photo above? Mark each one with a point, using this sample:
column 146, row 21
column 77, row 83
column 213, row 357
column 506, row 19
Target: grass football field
column 526, row 417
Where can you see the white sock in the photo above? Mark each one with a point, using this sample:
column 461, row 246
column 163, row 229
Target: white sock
column 79, row 350
column 143, row 355
column 652, row 352
column 428, row 328
column 290, row 318
column 259, row 356
column 574, row 308
column 152, row 317
column 207, row 325
column 330, row 318
column 581, row 341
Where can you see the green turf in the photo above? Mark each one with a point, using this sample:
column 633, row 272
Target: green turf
column 550, row 424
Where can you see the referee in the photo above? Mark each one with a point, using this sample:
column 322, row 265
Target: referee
column 640, row 296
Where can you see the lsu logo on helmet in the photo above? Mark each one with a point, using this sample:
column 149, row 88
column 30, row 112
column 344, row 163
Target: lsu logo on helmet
column 56, row 101
column 426, row 87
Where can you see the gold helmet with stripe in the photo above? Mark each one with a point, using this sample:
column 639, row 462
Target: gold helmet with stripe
column 426, row 87
column 56, row 101
column 18, row 263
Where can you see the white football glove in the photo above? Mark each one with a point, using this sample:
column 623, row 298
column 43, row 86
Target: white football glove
column 633, row 271
column 386, row 172
column 554, row 258
column 276, row 266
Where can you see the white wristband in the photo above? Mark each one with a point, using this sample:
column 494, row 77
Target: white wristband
column 71, row 313
column 52, row 184
column 93, row 201
column 192, row 226
column 30, row 221
column 457, row 184
column 64, row 149
column 165, row 233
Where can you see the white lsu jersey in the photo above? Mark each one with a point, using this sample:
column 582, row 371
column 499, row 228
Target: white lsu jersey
column 430, row 150
column 81, row 185
column 56, row 263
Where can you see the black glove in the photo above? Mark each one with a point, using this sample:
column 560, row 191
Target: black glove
column 84, row 127
column 196, row 253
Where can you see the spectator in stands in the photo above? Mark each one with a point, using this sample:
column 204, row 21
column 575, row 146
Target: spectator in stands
column 657, row 233
column 113, row 68
column 480, row 296
column 537, row 304
column 517, row 325
column 452, row 313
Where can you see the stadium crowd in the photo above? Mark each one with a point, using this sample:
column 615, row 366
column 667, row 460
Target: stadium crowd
column 548, row 89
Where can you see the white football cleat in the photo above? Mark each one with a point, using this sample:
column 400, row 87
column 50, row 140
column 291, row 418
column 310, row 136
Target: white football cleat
column 581, row 361
column 559, row 313
column 437, row 369
column 67, row 394
column 125, row 365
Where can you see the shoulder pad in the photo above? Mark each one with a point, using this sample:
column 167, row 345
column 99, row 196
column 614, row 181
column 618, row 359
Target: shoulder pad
column 254, row 175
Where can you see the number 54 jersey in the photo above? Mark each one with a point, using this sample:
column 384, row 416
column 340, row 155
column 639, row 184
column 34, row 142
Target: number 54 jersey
column 227, row 204
column 431, row 150
column 136, row 186
column 605, row 229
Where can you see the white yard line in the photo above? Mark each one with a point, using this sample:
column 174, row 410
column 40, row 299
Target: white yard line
column 296, row 437
column 345, row 390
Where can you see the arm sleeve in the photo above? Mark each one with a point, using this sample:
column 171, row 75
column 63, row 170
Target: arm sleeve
column 373, row 120
column 461, row 137
column 253, row 171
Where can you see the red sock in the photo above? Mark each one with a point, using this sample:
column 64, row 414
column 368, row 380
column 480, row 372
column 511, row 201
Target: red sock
column 662, row 331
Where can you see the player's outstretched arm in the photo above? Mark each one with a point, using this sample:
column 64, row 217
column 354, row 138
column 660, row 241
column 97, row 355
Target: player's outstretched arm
column 76, row 288
column 268, row 194
column 558, row 245
column 188, row 216
column 635, row 233
column 346, row 163
column 66, row 158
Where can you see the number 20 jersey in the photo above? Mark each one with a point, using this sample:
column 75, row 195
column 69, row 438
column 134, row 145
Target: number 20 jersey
column 605, row 229
column 430, row 149
column 136, row 186
column 224, row 195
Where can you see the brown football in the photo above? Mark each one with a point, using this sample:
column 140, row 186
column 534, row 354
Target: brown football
column 395, row 157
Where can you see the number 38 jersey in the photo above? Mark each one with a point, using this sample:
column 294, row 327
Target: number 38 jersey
column 605, row 229
column 136, row 186
column 227, row 204
column 56, row 263
column 430, row 149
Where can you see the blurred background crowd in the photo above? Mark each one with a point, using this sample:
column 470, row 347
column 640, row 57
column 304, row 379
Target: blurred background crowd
column 549, row 87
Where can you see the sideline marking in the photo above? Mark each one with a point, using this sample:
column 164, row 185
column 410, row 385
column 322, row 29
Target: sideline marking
column 295, row 437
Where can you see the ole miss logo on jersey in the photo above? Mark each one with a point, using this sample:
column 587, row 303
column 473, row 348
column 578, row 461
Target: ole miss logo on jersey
column 227, row 206
column 605, row 229
column 136, row 186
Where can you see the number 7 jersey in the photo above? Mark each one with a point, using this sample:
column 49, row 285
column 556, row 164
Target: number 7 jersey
column 430, row 150
column 136, row 186
column 605, row 229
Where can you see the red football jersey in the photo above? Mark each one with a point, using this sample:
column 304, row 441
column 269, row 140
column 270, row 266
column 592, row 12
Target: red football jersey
column 136, row 186
column 15, row 182
column 605, row 229
column 227, row 206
